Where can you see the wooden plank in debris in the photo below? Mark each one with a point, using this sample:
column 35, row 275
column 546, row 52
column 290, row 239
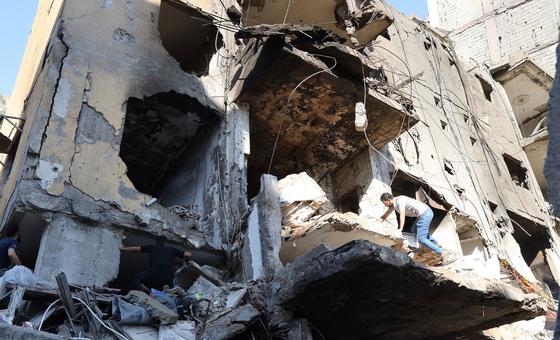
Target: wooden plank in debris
column 65, row 294
column 94, row 325
column 48, row 294
column 15, row 303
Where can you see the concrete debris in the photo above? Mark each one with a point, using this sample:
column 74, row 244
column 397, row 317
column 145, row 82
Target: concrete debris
column 191, row 271
column 179, row 130
column 310, row 287
column 229, row 324
column 156, row 309
column 182, row 330
column 335, row 229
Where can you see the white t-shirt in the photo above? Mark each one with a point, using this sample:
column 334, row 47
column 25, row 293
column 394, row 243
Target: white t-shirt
column 412, row 207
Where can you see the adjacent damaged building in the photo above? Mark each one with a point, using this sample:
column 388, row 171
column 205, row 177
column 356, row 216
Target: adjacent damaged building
column 260, row 134
column 516, row 41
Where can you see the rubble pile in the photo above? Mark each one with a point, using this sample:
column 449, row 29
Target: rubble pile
column 204, row 310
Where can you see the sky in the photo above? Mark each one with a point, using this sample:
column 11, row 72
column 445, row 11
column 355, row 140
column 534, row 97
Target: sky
column 16, row 19
column 408, row 7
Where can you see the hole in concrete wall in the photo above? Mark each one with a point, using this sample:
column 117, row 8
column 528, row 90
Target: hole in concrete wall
column 451, row 62
column 132, row 263
column 517, row 171
column 473, row 140
column 158, row 133
column 31, row 228
column 466, row 118
column 448, row 167
column 385, row 34
column 531, row 236
column 493, row 206
column 188, row 35
column 471, row 242
column 443, row 124
column 350, row 202
column 437, row 101
column 486, row 87
column 427, row 45
column 407, row 186
column 459, row 190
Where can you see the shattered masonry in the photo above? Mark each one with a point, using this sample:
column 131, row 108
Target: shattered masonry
column 230, row 128
column 519, row 48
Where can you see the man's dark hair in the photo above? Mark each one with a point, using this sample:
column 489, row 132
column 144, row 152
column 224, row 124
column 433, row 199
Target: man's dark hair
column 386, row 196
column 11, row 230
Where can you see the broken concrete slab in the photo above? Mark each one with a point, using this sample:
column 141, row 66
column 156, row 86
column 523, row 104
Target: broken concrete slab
column 228, row 323
column 154, row 219
column 157, row 310
column 9, row 332
column 206, row 288
column 335, row 229
column 102, row 252
column 234, row 298
column 300, row 199
column 191, row 271
column 340, row 290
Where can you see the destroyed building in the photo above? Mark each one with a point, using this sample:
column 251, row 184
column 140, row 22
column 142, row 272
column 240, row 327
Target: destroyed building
column 516, row 41
column 260, row 135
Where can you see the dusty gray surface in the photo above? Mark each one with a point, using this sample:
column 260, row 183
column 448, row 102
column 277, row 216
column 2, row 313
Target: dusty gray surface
column 552, row 165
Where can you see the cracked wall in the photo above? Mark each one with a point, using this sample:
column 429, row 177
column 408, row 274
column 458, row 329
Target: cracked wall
column 115, row 119
column 499, row 32
column 75, row 123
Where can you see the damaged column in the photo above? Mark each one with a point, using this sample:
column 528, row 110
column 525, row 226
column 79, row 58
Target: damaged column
column 89, row 255
column 263, row 237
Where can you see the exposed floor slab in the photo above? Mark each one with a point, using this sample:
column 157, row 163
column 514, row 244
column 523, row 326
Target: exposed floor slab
column 342, row 292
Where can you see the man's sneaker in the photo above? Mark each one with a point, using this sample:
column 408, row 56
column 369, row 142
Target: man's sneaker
column 448, row 257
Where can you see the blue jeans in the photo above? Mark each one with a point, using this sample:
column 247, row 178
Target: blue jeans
column 422, row 228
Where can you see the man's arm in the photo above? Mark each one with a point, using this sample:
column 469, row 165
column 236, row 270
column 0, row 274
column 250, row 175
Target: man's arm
column 386, row 214
column 402, row 219
column 13, row 257
column 131, row 249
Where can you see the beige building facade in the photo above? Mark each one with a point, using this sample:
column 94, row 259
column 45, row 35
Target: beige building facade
column 260, row 135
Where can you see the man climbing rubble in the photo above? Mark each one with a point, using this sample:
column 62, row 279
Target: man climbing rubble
column 162, row 265
column 410, row 207
column 8, row 247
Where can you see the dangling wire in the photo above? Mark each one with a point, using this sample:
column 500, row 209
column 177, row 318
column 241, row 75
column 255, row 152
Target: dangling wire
column 288, row 104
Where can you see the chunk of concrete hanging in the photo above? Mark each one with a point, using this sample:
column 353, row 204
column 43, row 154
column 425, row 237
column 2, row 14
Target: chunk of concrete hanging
column 341, row 292
column 262, row 246
column 320, row 113
column 368, row 18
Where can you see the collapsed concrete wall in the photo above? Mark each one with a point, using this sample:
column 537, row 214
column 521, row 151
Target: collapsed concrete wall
column 131, row 130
